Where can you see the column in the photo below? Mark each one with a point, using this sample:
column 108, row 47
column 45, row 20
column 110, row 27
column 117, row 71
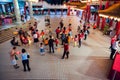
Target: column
column 17, row 11
column 61, row 11
column 3, row 8
column 10, row 7
column 30, row 9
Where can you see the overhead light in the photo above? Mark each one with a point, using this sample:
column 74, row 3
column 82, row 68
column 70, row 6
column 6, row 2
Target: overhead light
column 106, row 16
column 33, row 0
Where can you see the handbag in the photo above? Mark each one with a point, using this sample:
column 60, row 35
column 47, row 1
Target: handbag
column 28, row 56
column 16, row 58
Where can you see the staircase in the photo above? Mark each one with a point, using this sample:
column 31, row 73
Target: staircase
column 7, row 34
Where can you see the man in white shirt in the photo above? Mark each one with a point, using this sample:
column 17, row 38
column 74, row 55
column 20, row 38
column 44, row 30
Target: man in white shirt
column 114, row 48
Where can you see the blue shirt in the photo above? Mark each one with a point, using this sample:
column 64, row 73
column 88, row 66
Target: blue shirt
column 24, row 56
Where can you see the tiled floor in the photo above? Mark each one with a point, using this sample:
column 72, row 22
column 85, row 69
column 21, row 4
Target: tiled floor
column 90, row 62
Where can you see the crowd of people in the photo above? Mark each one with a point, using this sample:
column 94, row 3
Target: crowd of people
column 47, row 41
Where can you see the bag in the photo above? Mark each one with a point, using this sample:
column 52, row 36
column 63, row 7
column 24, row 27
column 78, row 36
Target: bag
column 28, row 56
column 16, row 58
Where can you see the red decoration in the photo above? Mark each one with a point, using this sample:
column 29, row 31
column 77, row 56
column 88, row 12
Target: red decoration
column 103, row 23
column 95, row 15
column 116, row 65
column 68, row 12
column 118, row 28
column 48, row 11
column 98, row 21
column 107, row 4
column 111, row 22
column 100, row 7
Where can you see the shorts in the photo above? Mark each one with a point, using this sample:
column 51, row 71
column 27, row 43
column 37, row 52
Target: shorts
column 42, row 50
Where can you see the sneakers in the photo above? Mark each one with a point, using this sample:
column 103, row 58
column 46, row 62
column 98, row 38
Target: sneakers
column 16, row 67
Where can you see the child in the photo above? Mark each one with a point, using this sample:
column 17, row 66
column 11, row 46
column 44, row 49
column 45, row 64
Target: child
column 70, row 33
column 42, row 50
column 46, row 41
column 75, row 40
column 56, row 42
column 29, row 40
column 68, row 38
column 42, row 34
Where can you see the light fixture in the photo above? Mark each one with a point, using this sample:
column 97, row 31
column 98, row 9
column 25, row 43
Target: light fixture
column 33, row 0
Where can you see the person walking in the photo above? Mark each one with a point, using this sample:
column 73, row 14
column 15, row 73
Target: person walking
column 114, row 48
column 86, row 34
column 61, row 24
column 13, row 57
column 36, row 40
column 63, row 38
column 75, row 40
column 57, row 32
column 56, row 42
column 25, row 60
column 66, row 50
column 80, row 37
column 51, row 44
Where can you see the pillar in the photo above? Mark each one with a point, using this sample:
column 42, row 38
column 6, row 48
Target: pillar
column 68, row 11
column 55, row 11
column 30, row 9
column 48, row 11
column 10, row 7
column 17, row 11
column 3, row 8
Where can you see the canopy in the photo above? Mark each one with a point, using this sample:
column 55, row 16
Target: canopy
column 112, row 11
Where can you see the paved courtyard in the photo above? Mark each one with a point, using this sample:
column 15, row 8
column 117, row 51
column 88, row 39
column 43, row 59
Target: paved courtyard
column 90, row 62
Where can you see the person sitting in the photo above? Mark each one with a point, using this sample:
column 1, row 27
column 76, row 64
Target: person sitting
column 14, row 42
